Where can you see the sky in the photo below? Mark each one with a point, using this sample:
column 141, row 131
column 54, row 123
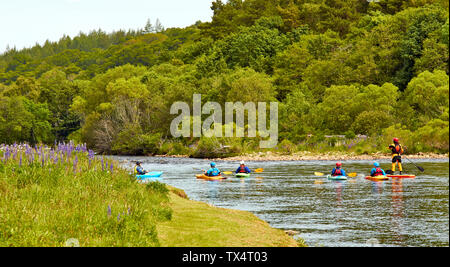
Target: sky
column 23, row 23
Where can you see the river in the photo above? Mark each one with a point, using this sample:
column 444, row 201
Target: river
column 357, row 212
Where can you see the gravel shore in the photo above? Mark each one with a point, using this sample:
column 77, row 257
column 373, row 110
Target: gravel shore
column 309, row 156
column 306, row 156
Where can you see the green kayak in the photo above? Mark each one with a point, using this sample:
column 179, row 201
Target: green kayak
column 242, row 175
column 337, row 178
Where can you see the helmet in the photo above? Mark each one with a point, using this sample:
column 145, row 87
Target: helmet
column 338, row 164
column 376, row 164
column 213, row 164
column 242, row 163
column 396, row 140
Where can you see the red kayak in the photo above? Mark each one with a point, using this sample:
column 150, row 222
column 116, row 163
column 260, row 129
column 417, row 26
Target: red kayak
column 402, row 176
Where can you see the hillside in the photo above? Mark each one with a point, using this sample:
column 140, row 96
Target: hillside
column 374, row 69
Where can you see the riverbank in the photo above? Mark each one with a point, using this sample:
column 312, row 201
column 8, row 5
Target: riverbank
column 310, row 156
column 198, row 224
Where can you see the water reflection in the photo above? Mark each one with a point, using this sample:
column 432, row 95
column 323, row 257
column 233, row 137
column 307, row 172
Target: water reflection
column 377, row 187
column 213, row 189
column 339, row 186
column 397, row 209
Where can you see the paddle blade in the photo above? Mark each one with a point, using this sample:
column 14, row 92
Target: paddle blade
column 227, row 173
column 318, row 174
column 420, row 169
column 259, row 170
column 353, row 174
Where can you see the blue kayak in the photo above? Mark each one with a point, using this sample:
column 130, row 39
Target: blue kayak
column 150, row 175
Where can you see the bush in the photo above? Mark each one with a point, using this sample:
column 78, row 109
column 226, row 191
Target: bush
column 287, row 146
column 434, row 136
column 217, row 147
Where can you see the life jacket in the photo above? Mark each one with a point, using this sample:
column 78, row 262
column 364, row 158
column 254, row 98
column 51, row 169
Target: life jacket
column 378, row 172
column 337, row 172
column 136, row 170
column 242, row 170
column 214, row 172
column 396, row 149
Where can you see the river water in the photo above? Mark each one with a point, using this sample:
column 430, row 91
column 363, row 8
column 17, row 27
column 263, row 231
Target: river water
column 357, row 212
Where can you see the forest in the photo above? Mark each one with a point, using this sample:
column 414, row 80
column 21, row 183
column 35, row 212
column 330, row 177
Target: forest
column 366, row 70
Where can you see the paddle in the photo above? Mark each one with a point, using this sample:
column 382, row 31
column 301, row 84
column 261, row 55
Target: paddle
column 418, row 167
column 257, row 171
column 353, row 174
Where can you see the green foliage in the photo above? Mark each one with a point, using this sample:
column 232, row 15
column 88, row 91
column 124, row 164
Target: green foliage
column 24, row 120
column 335, row 67
column 428, row 94
column 434, row 135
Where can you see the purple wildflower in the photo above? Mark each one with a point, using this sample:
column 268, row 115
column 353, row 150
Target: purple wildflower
column 109, row 211
column 75, row 162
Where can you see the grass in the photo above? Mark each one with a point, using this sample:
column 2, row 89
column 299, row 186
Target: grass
column 45, row 203
column 197, row 224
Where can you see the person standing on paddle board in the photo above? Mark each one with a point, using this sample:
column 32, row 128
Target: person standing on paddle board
column 243, row 169
column 213, row 172
column 377, row 171
column 138, row 170
column 397, row 151
column 338, row 171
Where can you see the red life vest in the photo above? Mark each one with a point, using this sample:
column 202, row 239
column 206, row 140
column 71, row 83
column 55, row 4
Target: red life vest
column 397, row 149
column 242, row 170
column 378, row 172
column 337, row 172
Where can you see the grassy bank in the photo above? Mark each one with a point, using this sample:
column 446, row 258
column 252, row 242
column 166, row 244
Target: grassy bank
column 51, row 196
column 198, row 224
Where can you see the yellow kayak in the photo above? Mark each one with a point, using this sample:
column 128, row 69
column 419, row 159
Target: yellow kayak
column 210, row 178
column 377, row 178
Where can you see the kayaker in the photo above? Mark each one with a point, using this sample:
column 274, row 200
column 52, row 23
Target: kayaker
column 397, row 151
column 338, row 171
column 138, row 170
column 242, row 168
column 377, row 171
column 213, row 171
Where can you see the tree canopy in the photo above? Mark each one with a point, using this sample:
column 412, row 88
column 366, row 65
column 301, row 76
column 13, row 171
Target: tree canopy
column 334, row 66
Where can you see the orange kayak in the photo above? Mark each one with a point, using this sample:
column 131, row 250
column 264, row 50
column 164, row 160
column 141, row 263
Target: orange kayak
column 210, row 178
column 377, row 178
column 402, row 176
